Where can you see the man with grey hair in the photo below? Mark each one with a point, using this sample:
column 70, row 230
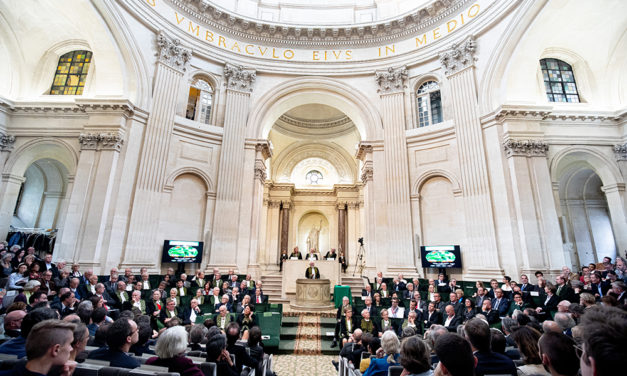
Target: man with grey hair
column 563, row 306
column 551, row 326
column 353, row 348
column 618, row 291
column 565, row 322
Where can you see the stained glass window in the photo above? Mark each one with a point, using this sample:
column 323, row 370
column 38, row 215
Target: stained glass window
column 313, row 177
column 429, row 104
column 71, row 73
column 559, row 81
column 200, row 101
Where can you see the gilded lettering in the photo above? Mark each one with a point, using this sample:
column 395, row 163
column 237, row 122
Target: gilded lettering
column 221, row 41
column 262, row 52
column 288, row 52
column 151, row 2
column 177, row 18
column 476, row 7
column 274, row 56
column 235, row 45
column 448, row 25
column 349, row 54
column 192, row 30
column 436, row 33
column 390, row 49
column 315, row 55
column 209, row 36
column 247, row 51
column 325, row 55
column 337, row 54
column 421, row 41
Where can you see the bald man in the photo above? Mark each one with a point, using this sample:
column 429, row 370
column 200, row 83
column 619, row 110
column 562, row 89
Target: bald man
column 13, row 323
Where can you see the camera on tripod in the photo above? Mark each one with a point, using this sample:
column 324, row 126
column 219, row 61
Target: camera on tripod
column 361, row 241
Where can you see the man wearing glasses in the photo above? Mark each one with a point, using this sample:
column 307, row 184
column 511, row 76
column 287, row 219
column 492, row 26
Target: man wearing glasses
column 122, row 334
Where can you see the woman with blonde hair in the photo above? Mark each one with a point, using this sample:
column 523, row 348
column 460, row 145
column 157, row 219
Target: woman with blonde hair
column 391, row 349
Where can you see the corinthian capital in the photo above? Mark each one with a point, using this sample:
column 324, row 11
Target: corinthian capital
column 171, row 53
column 239, row 78
column 620, row 150
column 525, row 148
column 460, row 56
column 6, row 142
column 391, row 80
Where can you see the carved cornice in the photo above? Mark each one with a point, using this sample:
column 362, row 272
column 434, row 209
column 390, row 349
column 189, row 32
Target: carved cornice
column 265, row 148
column 6, row 142
column 260, row 170
column 525, row 148
column 362, row 150
column 291, row 35
column 548, row 113
column 239, row 78
column 100, row 141
column 459, row 56
column 124, row 107
column 391, row 80
column 171, row 53
column 620, row 151
column 315, row 124
column 46, row 109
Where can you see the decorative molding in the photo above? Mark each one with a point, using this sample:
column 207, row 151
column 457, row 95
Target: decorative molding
column 100, row 141
column 274, row 203
column 172, row 54
column 547, row 113
column 260, row 170
column 376, row 33
column 391, row 80
column 315, row 124
column 525, row 148
column 610, row 188
column 264, row 148
column 239, row 78
column 6, row 142
column 362, row 150
column 459, row 56
column 367, row 172
column 621, row 152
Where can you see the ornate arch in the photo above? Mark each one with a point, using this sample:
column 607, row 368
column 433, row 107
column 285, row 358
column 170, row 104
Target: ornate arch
column 324, row 90
column 169, row 181
column 335, row 154
column 40, row 148
column 605, row 167
column 436, row 172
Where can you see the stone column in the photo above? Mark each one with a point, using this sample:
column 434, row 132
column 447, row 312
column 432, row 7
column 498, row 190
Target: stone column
column 284, row 215
column 341, row 227
column 273, row 233
column 142, row 244
column 539, row 235
column 353, row 226
column 9, row 186
column 262, row 152
column 239, row 83
column 616, row 200
column 399, row 240
column 6, row 146
column 481, row 258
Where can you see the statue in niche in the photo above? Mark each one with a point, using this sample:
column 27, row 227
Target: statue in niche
column 313, row 237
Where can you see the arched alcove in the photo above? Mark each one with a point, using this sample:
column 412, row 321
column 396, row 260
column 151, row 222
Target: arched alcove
column 307, row 226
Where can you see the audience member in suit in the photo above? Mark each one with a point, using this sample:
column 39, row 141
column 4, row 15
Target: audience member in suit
column 494, row 284
column 451, row 321
column 169, row 312
column 437, row 301
column 517, row 304
column 259, row 297
column 312, row 271
column 491, row 315
column 488, row 362
column 618, row 291
column 122, row 334
column 47, row 284
column 398, row 285
column 241, row 356
column 88, row 289
column 136, row 303
column 482, row 294
column 500, row 303
column 441, row 284
column 458, row 306
column 409, row 291
column 368, row 306
column 550, row 303
column 191, row 313
column 367, row 324
column 413, row 321
column 255, row 348
column 385, row 323
column 599, row 287
column 222, row 318
column 412, row 308
column 564, row 291
column 431, row 316
column 120, row 295
column 46, row 264
column 66, row 304
column 367, row 292
column 348, row 324
column 224, row 302
column 246, row 320
column 154, row 307
column 525, row 286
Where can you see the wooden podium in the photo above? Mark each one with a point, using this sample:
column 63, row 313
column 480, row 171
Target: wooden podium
column 295, row 269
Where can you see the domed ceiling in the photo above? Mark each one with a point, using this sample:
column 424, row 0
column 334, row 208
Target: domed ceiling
column 314, row 120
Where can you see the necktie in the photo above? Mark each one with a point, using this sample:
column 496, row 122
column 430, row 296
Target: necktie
column 496, row 306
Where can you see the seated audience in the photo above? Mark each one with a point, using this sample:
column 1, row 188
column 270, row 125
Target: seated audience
column 455, row 356
column 218, row 354
column 488, row 362
column 526, row 339
column 121, row 335
column 415, row 357
column 603, row 350
column 558, row 354
column 17, row 346
column 391, row 347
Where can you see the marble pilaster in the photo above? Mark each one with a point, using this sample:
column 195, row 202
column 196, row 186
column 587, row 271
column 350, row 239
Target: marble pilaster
column 481, row 259
column 142, row 234
column 262, row 152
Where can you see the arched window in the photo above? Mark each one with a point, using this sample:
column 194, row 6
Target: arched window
column 559, row 81
column 429, row 104
column 200, row 101
column 314, row 177
column 71, row 73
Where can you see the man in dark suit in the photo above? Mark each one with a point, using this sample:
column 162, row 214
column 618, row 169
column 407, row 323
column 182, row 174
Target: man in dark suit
column 494, row 284
column 488, row 362
column 46, row 264
column 120, row 296
column 169, row 312
column 491, row 315
column 525, row 286
column 88, row 289
column 431, row 316
column 348, row 324
column 409, row 291
column 367, row 292
column 500, row 303
column 457, row 305
column 481, row 296
column 66, row 304
column 312, row 271
column 122, row 334
column 397, row 285
column 564, row 291
column 191, row 313
column 224, row 302
column 452, row 320
column 439, row 304
column 372, row 310
column 599, row 287
column 259, row 298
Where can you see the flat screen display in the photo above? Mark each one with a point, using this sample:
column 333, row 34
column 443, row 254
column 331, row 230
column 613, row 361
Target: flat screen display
column 182, row 251
column 440, row 256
